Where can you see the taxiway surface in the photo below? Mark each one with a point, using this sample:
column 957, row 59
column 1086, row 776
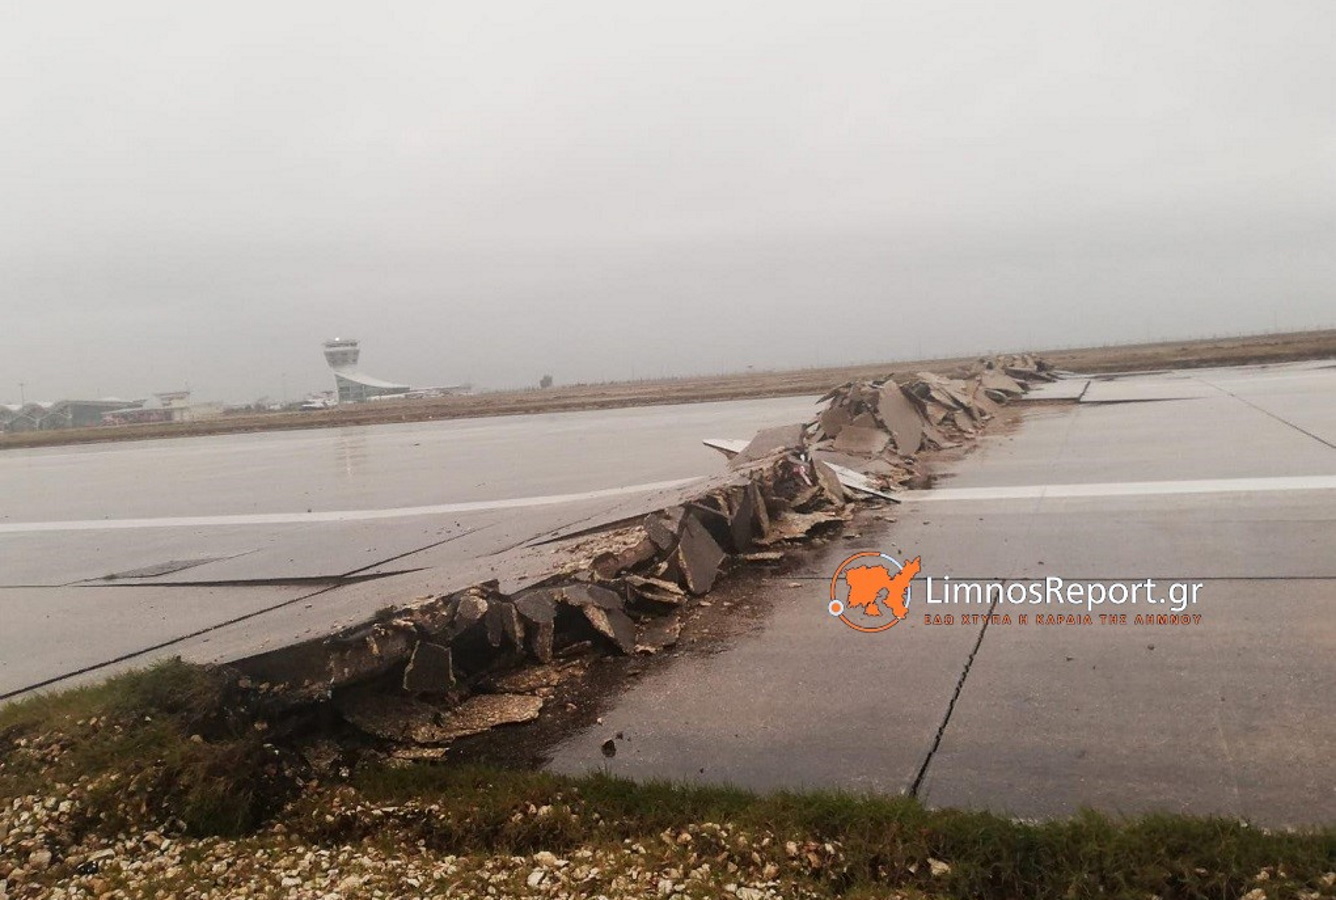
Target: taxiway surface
column 1223, row 477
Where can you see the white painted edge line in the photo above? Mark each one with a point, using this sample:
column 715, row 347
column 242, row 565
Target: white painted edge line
column 347, row 515
column 1126, row 489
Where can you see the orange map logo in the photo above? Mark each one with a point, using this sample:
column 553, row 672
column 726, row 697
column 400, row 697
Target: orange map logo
column 867, row 581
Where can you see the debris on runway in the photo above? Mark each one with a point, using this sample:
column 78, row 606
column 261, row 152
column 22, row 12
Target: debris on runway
column 458, row 664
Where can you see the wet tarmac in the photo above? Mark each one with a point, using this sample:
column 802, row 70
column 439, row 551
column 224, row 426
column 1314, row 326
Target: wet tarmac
column 224, row 547
column 214, row 548
column 1230, row 486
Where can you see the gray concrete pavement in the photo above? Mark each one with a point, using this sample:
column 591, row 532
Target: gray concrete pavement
column 263, row 531
column 1233, row 716
column 377, row 467
column 1222, row 477
column 50, row 636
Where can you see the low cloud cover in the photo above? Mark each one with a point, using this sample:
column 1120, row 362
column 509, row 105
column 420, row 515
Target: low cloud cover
column 493, row 192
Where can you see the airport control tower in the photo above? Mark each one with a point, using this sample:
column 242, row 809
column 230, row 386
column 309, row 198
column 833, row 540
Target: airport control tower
column 354, row 387
column 341, row 354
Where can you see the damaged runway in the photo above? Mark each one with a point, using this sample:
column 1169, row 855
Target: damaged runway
column 218, row 548
column 1222, row 477
column 1225, row 477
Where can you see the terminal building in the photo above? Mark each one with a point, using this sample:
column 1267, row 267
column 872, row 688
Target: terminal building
column 170, row 406
column 353, row 385
column 41, row 416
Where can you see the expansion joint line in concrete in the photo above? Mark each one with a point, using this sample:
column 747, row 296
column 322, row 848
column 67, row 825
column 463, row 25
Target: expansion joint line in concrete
column 951, row 704
column 162, row 645
column 407, row 553
column 342, row 581
column 1269, row 413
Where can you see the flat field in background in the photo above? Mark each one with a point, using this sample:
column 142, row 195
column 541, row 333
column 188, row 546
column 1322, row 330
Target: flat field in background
column 704, row 388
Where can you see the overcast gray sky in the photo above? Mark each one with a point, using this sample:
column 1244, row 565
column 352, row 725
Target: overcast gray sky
column 202, row 193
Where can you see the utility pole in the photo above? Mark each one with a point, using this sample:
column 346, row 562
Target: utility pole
column 22, row 400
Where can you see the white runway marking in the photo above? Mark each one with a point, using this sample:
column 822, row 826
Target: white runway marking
column 1127, row 489
column 347, row 515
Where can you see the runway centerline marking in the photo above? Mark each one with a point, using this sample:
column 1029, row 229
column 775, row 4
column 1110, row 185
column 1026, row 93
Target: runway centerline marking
column 1127, row 489
column 346, row 515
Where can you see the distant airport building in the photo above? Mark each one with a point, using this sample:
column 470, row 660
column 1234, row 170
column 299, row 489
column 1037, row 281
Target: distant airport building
column 353, row 386
column 170, row 406
column 177, row 404
column 40, row 416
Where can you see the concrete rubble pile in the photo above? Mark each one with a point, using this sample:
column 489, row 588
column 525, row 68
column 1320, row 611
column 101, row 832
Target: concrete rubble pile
column 879, row 427
column 456, row 665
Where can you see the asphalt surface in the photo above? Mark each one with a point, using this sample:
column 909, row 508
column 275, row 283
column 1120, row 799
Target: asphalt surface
column 1224, row 478
column 217, row 548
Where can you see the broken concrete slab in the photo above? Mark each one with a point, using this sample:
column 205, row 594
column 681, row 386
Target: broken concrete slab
column 468, row 611
column 934, row 435
column 663, row 526
column 407, row 720
column 715, row 513
column 656, row 635
column 994, row 380
column 860, row 483
column 696, row 560
column 833, row 419
column 537, row 606
column 430, row 670
column 759, row 511
column 1026, row 368
column 861, row 440
column 769, row 441
column 609, row 565
column 959, row 391
column 533, row 678
column 366, row 653
column 851, row 470
column 983, row 403
column 877, row 466
column 614, row 625
column 791, row 526
column 901, row 416
column 742, row 518
column 589, row 595
column 503, row 625
column 539, row 641
column 485, row 711
column 384, row 716
column 789, row 483
column 656, row 590
column 538, row 609
column 936, row 411
column 829, row 481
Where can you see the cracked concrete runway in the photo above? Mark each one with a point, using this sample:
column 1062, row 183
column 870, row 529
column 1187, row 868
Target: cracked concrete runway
column 216, row 548
column 1225, row 477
